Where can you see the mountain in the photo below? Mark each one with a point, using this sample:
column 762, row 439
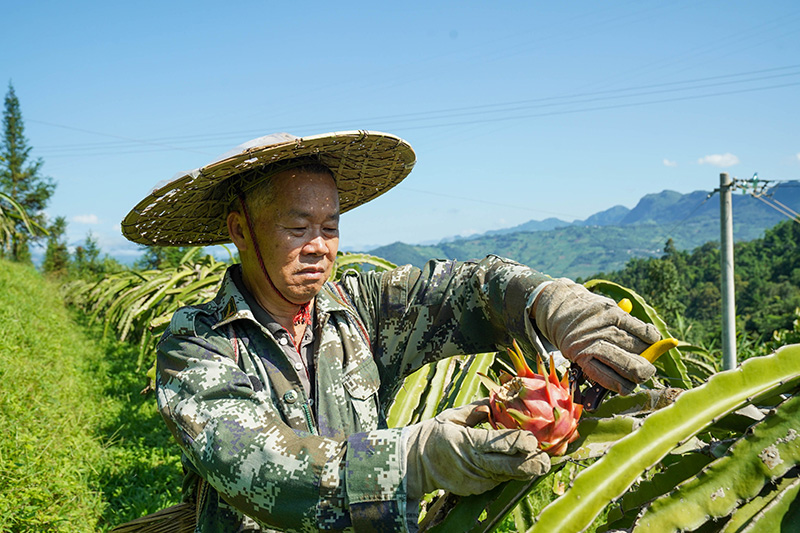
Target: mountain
column 531, row 225
column 606, row 240
column 609, row 217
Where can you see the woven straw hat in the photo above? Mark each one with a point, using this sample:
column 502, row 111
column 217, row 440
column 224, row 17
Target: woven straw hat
column 191, row 208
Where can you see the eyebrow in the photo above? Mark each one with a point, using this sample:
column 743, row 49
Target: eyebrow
column 306, row 214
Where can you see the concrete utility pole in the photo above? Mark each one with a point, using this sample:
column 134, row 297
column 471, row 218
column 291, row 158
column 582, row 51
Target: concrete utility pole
column 726, row 267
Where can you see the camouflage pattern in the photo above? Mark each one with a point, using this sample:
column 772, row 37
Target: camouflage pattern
column 278, row 460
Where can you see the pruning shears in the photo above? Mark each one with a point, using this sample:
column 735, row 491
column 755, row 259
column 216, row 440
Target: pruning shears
column 593, row 395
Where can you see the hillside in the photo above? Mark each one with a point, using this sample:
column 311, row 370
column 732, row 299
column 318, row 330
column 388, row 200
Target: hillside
column 767, row 291
column 606, row 240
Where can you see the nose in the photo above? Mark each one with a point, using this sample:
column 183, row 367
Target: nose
column 317, row 245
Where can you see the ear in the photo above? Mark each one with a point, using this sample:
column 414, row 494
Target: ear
column 237, row 230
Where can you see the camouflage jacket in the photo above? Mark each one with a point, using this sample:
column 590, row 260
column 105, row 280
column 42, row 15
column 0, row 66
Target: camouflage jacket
column 238, row 411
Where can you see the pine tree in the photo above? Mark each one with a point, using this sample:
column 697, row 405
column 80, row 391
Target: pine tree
column 20, row 177
column 87, row 263
column 56, row 256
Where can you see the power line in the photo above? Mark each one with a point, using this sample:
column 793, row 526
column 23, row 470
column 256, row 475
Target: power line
column 126, row 139
column 761, row 34
column 687, row 217
column 538, row 102
column 780, row 208
column 764, row 190
column 604, row 108
column 760, row 189
column 496, row 112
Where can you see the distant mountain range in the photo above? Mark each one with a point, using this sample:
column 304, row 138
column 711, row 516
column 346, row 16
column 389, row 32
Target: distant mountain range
column 605, row 241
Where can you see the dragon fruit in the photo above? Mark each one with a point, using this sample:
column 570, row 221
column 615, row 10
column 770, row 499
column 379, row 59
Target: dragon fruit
column 539, row 403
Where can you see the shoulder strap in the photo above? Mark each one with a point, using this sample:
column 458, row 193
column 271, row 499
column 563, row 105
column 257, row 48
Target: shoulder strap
column 182, row 322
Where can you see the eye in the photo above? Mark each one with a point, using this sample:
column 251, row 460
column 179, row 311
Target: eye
column 297, row 230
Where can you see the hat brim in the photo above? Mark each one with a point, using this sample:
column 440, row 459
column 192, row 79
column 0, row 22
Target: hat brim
column 187, row 212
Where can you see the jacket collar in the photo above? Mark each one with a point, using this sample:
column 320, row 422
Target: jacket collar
column 231, row 304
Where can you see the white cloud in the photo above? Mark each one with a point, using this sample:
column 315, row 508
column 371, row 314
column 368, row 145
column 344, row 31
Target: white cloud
column 668, row 163
column 719, row 160
column 86, row 219
column 798, row 156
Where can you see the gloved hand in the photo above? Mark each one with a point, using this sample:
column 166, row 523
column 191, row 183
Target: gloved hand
column 445, row 453
column 595, row 333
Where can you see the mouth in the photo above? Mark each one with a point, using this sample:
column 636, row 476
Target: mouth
column 312, row 273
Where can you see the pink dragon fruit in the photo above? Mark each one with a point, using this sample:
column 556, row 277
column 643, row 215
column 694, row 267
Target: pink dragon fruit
column 539, row 403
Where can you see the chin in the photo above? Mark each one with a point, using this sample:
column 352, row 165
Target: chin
column 306, row 293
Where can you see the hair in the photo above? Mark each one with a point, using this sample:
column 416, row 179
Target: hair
column 258, row 187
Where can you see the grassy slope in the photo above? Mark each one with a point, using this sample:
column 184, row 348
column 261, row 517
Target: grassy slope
column 80, row 449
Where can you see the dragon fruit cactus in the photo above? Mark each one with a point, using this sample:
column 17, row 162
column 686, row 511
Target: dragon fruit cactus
column 539, row 403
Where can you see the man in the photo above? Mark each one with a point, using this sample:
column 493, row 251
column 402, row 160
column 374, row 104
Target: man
column 276, row 390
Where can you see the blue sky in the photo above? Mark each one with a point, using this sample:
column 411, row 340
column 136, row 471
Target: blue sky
column 516, row 110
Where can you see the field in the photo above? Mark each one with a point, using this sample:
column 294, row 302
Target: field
column 81, row 449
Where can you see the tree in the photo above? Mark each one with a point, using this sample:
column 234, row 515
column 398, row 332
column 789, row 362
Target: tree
column 86, row 262
column 159, row 257
column 20, row 177
column 669, row 248
column 56, row 256
column 664, row 288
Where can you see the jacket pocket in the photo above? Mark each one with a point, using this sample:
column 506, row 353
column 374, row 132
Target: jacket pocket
column 362, row 384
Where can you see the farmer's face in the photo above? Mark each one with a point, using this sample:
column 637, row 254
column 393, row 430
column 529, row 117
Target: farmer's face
column 298, row 235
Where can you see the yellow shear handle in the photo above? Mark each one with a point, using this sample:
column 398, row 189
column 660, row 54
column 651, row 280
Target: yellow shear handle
column 655, row 350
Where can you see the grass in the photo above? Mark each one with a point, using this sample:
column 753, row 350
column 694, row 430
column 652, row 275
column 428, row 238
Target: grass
column 141, row 471
column 80, row 448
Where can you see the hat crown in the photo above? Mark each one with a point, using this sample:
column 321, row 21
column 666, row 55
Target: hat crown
column 260, row 142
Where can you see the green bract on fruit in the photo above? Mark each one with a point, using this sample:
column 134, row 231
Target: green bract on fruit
column 539, row 403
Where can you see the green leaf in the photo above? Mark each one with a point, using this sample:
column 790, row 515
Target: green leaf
column 436, row 386
column 190, row 254
column 464, row 516
column 343, row 260
column 466, row 386
column 597, row 435
column 409, row 397
column 768, row 512
column 624, row 515
column 644, row 401
column 612, row 475
column 771, row 450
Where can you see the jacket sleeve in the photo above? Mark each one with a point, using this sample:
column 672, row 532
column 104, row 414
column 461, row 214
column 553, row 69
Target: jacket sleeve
column 235, row 438
column 447, row 308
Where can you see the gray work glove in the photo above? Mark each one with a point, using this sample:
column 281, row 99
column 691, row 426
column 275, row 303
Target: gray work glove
column 595, row 333
column 445, row 453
